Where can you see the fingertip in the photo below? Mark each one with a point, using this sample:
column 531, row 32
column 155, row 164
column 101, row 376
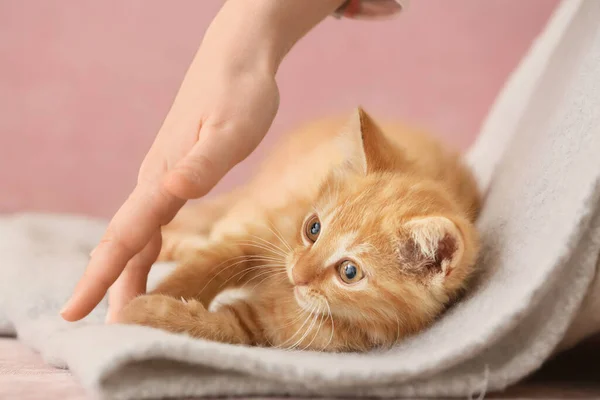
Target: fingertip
column 67, row 313
column 84, row 299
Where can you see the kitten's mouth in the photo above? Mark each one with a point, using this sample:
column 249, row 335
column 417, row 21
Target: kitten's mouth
column 306, row 301
column 299, row 296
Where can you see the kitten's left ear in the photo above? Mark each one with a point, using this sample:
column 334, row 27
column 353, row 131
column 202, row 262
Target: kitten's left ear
column 364, row 145
column 431, row 246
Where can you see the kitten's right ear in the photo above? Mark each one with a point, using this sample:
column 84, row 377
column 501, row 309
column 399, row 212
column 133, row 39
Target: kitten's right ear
column 431, row 246
column 364, row 146
column 442, row 252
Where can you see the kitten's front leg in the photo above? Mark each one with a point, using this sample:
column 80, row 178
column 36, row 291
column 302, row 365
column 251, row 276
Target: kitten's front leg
column 206, row 273
column 191, row 317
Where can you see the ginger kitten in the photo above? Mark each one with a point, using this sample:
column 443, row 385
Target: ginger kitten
column 351, row 237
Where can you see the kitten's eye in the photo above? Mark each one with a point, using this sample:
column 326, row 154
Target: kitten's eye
column 312, row 228
column 350, row 272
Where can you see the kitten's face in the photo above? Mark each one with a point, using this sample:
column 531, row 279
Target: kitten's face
column 356, row 257
column 341, row 256
column 374, row 249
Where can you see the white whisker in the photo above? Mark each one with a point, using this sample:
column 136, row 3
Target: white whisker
column 271, row 245
column 398, row 330
column 332, row 325
column 299, row 317
column 223, row 270
column 248, row 270
column 298, row 330
column 316, row 333
column 314, row 320
column 273, row 275
column 280, row 237
column 262, row 247
column 264, row 272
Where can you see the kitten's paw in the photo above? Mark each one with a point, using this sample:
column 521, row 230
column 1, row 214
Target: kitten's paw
column 160, row 311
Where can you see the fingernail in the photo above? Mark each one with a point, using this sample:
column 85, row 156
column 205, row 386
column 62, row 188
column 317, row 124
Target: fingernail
column 93, row 251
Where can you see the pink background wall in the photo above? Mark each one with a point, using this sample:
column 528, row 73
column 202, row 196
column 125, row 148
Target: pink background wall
column 84, row 84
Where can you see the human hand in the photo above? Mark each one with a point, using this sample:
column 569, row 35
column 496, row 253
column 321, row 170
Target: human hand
column 218, row 118
column 224, row 107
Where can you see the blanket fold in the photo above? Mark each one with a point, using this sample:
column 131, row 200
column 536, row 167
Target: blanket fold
column 537, row 159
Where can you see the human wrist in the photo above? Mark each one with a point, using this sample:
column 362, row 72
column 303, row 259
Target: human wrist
column 257, row 34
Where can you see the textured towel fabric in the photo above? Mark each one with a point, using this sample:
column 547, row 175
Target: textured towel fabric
column 538, row 159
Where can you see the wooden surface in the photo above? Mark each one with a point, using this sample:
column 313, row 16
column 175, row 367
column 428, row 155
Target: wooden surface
column 572, row 375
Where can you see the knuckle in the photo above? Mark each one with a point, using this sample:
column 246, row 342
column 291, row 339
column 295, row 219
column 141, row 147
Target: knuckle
column 200, row 166
column 122, row 244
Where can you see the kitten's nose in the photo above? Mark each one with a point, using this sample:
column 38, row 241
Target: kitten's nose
column 299, row 278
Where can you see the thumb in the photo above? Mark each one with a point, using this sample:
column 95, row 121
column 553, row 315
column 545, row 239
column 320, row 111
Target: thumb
column 203, row 167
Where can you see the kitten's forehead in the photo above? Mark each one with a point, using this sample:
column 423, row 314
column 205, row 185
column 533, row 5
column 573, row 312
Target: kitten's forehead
column 350, row 193
column 342, row 247
column 346, row 235
column 350, row 214
column 355, row 223
column 329, row 214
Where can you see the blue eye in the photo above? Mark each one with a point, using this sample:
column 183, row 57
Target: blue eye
column 350, row 272
column 313, row 228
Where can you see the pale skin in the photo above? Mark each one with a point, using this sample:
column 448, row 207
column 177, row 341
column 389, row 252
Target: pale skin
column 224, row 108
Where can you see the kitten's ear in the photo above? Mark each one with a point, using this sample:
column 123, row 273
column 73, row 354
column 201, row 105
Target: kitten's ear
column 431, row 246
column 364, row 146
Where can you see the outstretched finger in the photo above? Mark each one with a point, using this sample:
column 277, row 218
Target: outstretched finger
column 129, row 232
column 132, row 282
